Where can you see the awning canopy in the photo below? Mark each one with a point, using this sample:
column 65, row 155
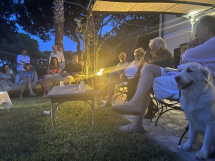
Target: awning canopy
column 152, row 6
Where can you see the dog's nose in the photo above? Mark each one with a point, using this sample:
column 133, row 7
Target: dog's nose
column 177, row 78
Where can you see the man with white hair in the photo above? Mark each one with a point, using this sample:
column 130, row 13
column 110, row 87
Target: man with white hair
column 59, row 55
column 159, row 56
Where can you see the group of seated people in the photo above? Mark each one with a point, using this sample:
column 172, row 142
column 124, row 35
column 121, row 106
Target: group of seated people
column 53, row 77
column 155, row 76
column 7, row 79
column 145, row 75
column 148, row 74
column 55, row 74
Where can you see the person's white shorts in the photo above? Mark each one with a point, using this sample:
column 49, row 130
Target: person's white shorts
column 165, row 86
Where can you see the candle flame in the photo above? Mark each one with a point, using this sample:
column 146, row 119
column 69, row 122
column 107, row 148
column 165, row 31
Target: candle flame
column 100, row 73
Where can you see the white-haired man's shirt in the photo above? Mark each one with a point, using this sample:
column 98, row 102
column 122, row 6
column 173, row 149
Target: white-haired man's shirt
column 59, row 56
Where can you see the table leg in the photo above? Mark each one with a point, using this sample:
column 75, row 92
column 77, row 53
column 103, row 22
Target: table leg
column 52, row 114
column 93, row 111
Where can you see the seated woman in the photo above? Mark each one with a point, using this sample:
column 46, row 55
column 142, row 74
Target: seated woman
column 126, row 75
column 6, row 78
column 27, row 78
column 53, row 68
column 164, row 83
column 70, row 71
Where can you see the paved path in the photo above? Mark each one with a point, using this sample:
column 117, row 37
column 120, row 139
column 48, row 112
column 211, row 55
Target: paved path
column 168, row 131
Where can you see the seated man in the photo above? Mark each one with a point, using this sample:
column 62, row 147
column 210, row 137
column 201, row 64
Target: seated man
column 127, row 74
column 66, row 75
column 159, row 56
column 200, row 50
column 119, row 68
column 74, row 67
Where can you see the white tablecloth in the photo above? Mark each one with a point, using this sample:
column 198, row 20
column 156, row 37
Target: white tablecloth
column 5, row 98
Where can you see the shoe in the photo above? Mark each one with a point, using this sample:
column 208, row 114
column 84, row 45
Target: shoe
column 106, row 104
column 20, row 96
column 127, row 110
column 127, row 128
column 32, row 94
column 150, row 114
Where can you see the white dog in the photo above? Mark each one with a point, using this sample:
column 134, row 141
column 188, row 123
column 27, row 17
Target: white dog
column 198, row 102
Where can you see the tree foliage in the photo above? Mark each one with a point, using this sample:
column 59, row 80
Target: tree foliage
column 134, row 32
column 31, row 45
column 36, row 17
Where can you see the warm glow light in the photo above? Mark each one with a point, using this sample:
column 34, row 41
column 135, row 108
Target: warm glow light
column 100, row 73
column 192, row 13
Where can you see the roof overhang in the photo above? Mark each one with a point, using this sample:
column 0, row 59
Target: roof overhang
column 177, row 7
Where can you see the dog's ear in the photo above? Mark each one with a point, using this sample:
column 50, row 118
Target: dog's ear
column 206, row 72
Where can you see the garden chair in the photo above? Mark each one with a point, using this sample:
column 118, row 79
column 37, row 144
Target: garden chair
column 166, row 105
column 120, row 90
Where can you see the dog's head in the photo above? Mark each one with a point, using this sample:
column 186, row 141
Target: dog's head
column 193, row 74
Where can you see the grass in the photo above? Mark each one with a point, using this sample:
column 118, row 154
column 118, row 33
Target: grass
column 26, row 134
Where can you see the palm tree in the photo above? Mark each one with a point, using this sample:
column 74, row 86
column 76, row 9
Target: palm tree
column 59, row 21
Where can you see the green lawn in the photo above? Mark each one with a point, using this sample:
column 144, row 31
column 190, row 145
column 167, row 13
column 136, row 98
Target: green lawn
column 26, row 134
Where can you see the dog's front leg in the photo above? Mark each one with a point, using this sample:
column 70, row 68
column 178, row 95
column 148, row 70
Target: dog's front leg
column 207, row 142
column 191, row 138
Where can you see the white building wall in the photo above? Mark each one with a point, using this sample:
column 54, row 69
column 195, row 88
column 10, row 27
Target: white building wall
column 176, row 31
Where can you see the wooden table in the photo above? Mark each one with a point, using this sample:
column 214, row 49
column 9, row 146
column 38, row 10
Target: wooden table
column 71, row 92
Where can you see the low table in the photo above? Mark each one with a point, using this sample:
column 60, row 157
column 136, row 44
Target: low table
column 71, row 92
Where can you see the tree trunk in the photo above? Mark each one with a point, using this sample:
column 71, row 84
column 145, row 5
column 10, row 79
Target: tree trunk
column 59, row 20
column 59, row 35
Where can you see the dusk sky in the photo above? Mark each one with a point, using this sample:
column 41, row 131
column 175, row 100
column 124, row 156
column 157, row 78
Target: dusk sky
column 67, row 43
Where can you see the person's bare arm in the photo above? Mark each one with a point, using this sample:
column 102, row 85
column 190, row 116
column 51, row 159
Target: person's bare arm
column 192, row 44
column 21, row 76
column 137, row 73
column 48, row 71
column 59, row 70
column 32, row 76
column 12, row 77
column 139, row 67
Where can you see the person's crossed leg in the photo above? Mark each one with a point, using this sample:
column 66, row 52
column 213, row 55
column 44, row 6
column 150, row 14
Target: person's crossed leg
column 138, row 104
column 140, row 101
